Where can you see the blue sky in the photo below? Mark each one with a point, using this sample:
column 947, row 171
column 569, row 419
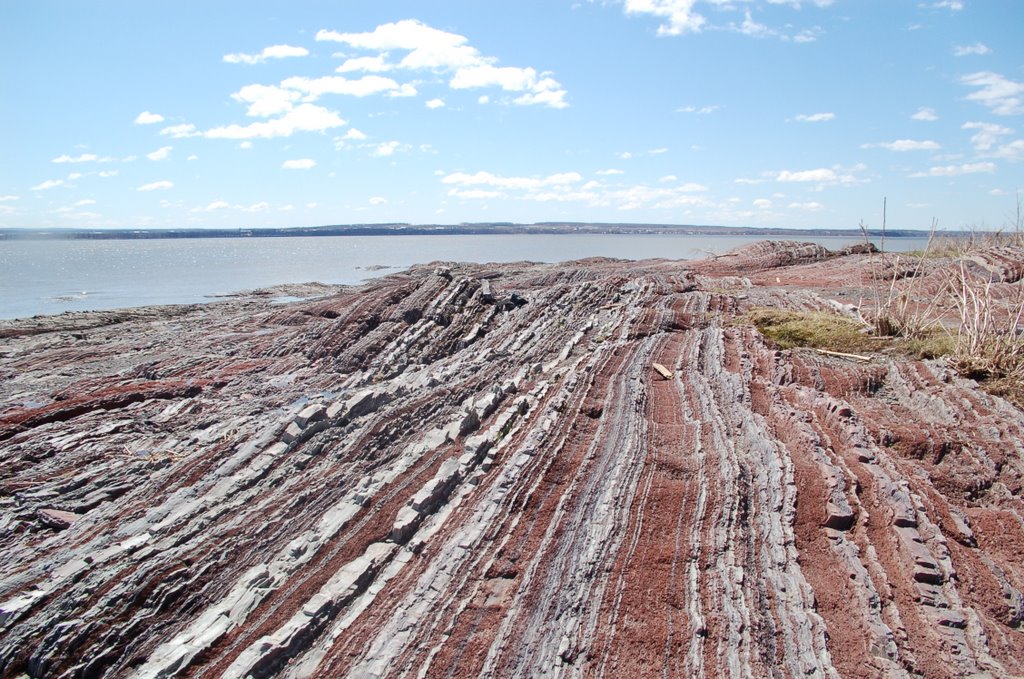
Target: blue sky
column 735, row 112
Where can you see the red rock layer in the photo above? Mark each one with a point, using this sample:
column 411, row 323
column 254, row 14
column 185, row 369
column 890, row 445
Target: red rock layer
column 475, row 471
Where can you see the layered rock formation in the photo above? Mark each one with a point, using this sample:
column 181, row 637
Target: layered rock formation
column 474, row 470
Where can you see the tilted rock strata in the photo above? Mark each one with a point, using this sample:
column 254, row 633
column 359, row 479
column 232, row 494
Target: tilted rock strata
column 475, row 471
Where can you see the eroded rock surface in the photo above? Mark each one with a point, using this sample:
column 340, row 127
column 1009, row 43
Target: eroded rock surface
column 474, row 470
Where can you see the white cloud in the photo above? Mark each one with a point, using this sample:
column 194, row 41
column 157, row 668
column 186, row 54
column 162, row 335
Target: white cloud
column 762, row 203
column 286, row 208
column 807, row 35
column 437, row 50
column 213, row 207
column 475, row 194
column 956, row 170
column 987, row 135
column 108, row 173
column 84, row 202
column 428, row 47
column 822, row 176
column 255, row 207
column 1005, row 97
column 354, row 134
column 808, row 207
column 699, row 110
column 161, row 153
column 819, row 175
column 547, row 93
column 302, row 118
column 405, row 90
column 147, row 118
column 565, row 187
column 752, row 28
column 378, row 200
column 483, row 99
column 925, row 114
column 83, row 158
column 299, row 164
column 48, row 184
column 977, row 48
column 508, row 78
column 668, row 178
column 284, row 51
column 661, row 198
column 193, row 157
column 75, row 175
column 625, row 155
column 488, row 179
column 1013, row 151
column 4, row 199
column 182, row 131
column 388, row 148
column 658, row 151
column 677, row 16
column 815, row 117
column 951, row 5
column 562, row 195
column 70, row 213
column 266, row 100
column 609, row 171
column 793, row 3
column 272, row 52
column 245, row 145
column 155, row 186
column 314, row 88
column 997, row 192
column 375, row 64
column 435, row 103
column 748, row 181
column 905, row 145
column 537, row 89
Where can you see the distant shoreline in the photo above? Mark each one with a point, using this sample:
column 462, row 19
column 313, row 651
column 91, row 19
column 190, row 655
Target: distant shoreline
column 489, row 228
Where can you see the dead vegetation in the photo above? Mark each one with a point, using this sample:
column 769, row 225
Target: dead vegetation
column 941, row 302
column 990, row 337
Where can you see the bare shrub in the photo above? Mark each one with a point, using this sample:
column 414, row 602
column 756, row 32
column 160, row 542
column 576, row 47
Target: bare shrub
column 989, row 341
column 895, row 288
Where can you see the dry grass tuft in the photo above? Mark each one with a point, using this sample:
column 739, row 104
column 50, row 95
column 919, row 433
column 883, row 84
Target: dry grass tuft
column 990, row 343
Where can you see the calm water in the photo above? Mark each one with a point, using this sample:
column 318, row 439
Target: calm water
column 48, row 277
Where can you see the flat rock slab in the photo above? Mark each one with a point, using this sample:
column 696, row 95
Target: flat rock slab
column 56, row 518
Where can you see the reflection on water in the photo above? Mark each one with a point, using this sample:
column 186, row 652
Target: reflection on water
column 47, row 277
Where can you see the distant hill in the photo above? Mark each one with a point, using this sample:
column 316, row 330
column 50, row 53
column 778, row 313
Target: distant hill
column 392, row 229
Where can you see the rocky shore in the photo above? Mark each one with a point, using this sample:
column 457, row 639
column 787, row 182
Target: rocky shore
column 476, row 470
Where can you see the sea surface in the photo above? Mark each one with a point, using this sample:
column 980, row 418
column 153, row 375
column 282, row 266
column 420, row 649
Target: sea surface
column 53, row 276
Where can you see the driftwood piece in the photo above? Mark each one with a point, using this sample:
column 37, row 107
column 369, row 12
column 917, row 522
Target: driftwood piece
column 856, row 357
column 662, row 370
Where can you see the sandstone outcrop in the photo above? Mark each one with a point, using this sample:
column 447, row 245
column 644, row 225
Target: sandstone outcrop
column 475, row 470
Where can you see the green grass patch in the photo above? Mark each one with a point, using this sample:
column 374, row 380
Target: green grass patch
column 824, row 330
column 816, row 329
column 934, row 343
